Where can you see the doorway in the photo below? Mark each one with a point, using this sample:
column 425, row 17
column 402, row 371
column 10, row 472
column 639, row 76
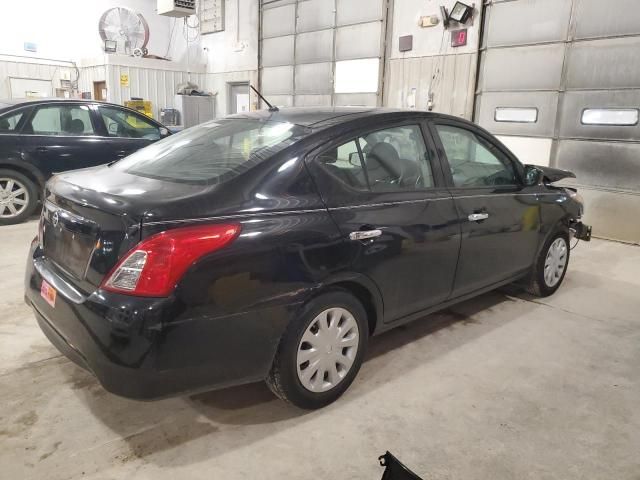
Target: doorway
column 100, row 91
column 238, row 98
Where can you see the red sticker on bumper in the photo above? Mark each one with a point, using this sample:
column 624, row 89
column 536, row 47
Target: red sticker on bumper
column 48, row 293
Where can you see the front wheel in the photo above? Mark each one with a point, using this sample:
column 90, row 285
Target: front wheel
column 551, row 266
column 321, row 351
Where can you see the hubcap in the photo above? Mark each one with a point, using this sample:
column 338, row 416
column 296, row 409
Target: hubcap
column 555, row 262
column 327, row 350
column 14, row 198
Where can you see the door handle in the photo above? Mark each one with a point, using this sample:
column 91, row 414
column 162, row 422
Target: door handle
column 365, row 234
column 477, row 217
column 41, row 149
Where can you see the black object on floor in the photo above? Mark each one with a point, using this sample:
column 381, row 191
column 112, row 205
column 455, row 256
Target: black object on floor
column 394, row 469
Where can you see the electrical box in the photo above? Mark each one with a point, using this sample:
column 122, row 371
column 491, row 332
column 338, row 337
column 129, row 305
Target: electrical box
column 176, row 8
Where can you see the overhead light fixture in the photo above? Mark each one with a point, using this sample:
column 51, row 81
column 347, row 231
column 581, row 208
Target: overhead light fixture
column 461, row 12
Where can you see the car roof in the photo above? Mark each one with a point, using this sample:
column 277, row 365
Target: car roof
column 14, row 102
column 323, row 117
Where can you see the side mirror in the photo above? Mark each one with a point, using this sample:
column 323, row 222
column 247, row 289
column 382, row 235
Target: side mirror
column 354, row 159
column 164, row 132
column 532, row 175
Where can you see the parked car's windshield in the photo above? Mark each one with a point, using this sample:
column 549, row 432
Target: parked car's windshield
column 213, row 152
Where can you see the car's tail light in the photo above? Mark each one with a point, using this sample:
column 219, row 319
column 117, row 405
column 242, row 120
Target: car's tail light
column 154, row 266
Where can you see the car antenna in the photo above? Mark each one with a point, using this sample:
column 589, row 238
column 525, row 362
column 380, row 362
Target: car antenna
column 271, row 107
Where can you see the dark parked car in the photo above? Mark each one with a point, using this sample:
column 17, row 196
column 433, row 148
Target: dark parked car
column 271, row 245
column 41, row 137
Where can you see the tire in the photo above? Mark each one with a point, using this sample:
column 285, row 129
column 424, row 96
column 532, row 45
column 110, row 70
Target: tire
column 292, row 379
column 19, row 203
column 543, row 283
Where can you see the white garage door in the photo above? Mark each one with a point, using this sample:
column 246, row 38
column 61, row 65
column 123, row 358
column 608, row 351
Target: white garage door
column 322, row 52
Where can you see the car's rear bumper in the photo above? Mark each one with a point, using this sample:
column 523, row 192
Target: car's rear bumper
column 147, row 348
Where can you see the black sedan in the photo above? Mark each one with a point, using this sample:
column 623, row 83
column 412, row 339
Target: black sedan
column 41, row 137
column 271, row 245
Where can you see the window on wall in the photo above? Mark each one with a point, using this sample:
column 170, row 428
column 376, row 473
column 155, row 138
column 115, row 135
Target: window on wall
column 610, row 116
column 357, row 76
column 516, row 114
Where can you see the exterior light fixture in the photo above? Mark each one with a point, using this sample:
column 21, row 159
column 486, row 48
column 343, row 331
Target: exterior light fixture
column 460, row 12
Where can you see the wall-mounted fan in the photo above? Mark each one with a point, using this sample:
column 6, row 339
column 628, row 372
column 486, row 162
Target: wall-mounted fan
column 126, row 27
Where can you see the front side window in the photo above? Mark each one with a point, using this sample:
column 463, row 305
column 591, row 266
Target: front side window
column 474, row 162
column 392, row 159
column 9, row 122
column 213, row 152
column 125, row 124
column 62, row 120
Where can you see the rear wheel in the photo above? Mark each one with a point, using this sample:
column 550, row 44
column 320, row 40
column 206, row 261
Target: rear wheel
column 321, row 351
column 551, row 266
column 18, row 197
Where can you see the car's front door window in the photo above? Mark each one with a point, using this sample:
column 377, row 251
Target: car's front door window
column 474, row 162
column 61, row 120
column 125, row 124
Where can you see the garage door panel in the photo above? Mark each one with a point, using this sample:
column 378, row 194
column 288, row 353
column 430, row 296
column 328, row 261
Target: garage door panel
column 313, row 100
column 358, row 11
column 277, row 80
column 546, row 104
column 610, row 63
column 356, row 99
column 603, row 212
column 574, row 102
column 523, row 68
column 358, row 41
column 277, row 51
column 279, row 21
column 314, row 78
column 314, row 47
column 541, row 27
column 598, row 18
column 315, row 15
column 602, row 164
column 278, row 101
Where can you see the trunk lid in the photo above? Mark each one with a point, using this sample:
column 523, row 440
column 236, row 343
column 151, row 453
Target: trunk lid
column 92, row 217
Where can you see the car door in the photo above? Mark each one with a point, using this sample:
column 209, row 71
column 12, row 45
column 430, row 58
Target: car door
column 61, row 136
column 125, row 131
column 386, row 194
column 499, row 216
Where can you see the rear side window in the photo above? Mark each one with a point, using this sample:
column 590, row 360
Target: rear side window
column 474, row 162
column 65, row 120
column 388, row 160
column 213, row 152
column 9, row 122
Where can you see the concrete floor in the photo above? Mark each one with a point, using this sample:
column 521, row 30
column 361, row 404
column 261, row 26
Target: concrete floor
column 499, row 387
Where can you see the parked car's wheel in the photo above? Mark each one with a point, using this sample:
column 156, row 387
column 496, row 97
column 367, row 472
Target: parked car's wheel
column 321, row 351
column 551, row 265
column 18, row 197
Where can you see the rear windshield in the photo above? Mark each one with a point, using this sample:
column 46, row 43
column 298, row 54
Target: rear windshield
column 213, row 152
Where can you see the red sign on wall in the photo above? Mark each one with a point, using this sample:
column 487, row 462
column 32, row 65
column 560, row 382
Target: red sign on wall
column 459, row 38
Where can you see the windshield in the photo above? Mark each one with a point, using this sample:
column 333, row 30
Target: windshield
column 213, row 152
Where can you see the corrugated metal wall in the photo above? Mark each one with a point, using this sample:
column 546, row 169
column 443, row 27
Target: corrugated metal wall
column 305, row 44
column 561, row 57
column 33, row 69
column 432, row 67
